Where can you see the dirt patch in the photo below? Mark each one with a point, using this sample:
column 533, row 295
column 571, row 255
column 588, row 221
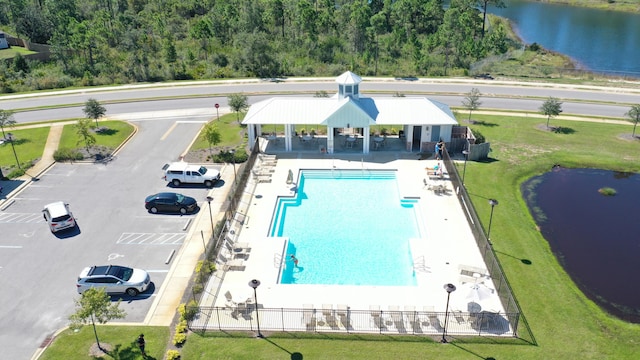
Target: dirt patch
column 628, row 137
column 98, row 352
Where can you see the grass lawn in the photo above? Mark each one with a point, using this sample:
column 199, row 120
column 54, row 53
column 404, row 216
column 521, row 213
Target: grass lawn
column 12, row 51
column 76, row 345
column 230, row 133
column 28, row 143
column 117, row 132
column 563, row 321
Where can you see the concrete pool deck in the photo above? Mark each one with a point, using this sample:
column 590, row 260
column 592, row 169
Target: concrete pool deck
column 448, row 247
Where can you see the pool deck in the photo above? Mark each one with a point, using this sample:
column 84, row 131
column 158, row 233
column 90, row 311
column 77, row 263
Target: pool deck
column 448, row 247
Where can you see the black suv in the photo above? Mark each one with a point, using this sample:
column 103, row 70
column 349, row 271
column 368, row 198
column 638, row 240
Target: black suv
column 169, row 202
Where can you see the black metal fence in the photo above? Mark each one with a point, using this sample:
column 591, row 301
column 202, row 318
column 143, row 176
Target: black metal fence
column 244, row 317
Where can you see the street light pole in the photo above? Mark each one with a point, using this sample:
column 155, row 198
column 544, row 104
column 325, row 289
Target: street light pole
column 217, row 112
column 254, row 284
column 11, row 138
column 493, row 203
column 209, row 200
column 464, row 170
column 449, row 288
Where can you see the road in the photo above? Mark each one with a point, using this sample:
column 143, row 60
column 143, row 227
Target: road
column 107, row 199
column 577, row 100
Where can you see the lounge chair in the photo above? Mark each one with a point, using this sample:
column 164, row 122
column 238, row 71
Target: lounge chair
column 235, row 264
column 309, row 317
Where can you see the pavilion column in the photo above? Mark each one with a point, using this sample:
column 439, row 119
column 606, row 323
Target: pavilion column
column 329, row 140
column 365, row 145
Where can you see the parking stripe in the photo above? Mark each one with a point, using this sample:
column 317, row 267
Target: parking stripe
column 21, row 218
column 151, row 238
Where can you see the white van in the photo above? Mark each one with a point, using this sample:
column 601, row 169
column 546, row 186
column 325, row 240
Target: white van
column 182, row 172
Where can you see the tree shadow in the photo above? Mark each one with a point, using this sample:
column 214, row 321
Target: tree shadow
column 562, row 130
column 482, row 123
column 106, row 131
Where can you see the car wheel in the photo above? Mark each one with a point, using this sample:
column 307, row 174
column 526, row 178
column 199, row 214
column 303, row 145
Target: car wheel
column 176, row 182
column 154, row 210
column 132, row 292
column 183, row 211
column 208, row 183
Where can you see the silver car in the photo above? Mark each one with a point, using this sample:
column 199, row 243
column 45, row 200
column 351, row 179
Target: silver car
column 114, row 279
column 58, row 216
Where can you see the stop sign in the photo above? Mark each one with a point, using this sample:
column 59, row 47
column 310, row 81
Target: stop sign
column 217, row 105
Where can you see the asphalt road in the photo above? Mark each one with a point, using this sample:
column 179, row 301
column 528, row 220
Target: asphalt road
column 38, row 269
column 591, row 101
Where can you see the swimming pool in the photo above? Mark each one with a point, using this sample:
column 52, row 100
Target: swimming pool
column 347, row 227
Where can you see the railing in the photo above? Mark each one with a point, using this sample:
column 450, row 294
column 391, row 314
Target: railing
column 243, row 317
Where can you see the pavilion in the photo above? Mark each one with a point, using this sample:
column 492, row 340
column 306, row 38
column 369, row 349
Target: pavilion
column 422, row 122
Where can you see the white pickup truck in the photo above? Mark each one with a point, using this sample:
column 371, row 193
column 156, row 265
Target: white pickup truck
column 182, row 172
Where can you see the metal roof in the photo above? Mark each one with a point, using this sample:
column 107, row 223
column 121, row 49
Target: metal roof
column 356, row 112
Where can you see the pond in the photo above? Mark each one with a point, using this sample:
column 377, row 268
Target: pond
column 596, row 237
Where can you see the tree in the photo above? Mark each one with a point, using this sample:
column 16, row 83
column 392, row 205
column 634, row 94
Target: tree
column 633, row 115
column 93, row 110
column 95, row 305
column 472, row 100
column 551, row 107
column 6, row 120
column 238, row 103
column 212, row 135
column 484, row 3
column 83, row 129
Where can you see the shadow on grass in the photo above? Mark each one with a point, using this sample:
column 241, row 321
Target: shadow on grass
column 482, row 123
column 524, row 261
column 562, row 130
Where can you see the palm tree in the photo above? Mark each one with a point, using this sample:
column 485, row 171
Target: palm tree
column 633, row 115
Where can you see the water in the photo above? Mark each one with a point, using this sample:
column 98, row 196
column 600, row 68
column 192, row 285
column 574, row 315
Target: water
column 598, row 40
column 595, row 237
column 348, row 227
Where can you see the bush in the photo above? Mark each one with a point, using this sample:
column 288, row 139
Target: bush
column 479, row 137
column 173, row 355
column 67, row 155
column 188, row 311
column 16, row 173
column 179, row 338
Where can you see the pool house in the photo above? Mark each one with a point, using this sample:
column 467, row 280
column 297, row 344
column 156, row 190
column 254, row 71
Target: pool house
column 349, row 122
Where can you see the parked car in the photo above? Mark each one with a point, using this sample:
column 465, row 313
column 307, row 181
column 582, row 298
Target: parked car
column 182, row 172
column 169, row 202
column 114, row 279
column 58, row 216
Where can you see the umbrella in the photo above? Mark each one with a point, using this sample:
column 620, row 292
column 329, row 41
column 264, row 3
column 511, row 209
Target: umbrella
column 478, row 293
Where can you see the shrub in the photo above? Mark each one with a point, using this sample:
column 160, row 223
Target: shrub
column 479, row 137
column 173, row 355
column 67, row 155
column 15, row 173
column 188, row 311
column 179, row 338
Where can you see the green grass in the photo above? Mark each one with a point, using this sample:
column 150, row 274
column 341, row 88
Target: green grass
column 563, row 321
column 117, row 132
column 230, row 133
column 28, row 143
column 76, row 345
column 12, row 51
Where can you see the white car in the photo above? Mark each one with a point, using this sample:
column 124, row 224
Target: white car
column 114, row 279
column 58, row 216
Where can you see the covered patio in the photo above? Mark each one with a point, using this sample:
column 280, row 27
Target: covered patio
column 348, row 122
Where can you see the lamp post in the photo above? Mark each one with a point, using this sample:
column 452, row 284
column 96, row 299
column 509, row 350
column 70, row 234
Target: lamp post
column 217, row 112
column 493, row 203
column 449, row 288
column 464, row 170
column 233, row 158
column 209, row 200
column 11, row 138
column 254, row 284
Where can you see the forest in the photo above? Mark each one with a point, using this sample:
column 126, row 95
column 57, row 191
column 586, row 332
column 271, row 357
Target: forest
column 102, row 42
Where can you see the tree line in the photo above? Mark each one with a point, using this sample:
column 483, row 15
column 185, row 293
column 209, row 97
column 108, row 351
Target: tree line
column 97, row 42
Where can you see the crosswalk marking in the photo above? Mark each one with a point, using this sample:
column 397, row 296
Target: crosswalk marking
column 151, row 238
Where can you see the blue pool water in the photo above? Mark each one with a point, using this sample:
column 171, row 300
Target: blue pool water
column 347, row 227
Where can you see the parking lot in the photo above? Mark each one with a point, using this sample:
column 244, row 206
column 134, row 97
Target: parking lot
column 39, row 268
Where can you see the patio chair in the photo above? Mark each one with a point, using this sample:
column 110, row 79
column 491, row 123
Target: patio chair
column 235, row 264
column 309, row 317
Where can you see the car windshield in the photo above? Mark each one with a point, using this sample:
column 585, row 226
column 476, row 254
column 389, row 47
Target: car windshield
column 179, row 198
column 202, row 170
column 121, row 272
